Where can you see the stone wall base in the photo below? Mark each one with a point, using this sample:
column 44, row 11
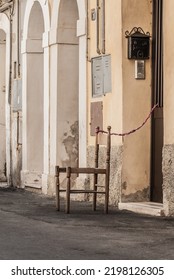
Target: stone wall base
column 115, row 171
column 168, row 180
column 31, row 179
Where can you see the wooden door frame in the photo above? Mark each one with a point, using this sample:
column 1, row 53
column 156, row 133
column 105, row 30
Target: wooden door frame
column 157, row 85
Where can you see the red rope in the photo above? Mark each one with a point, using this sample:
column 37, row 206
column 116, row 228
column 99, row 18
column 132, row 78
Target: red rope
column 133, row 130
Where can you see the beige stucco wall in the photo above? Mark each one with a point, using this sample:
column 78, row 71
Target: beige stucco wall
column 136, row 107
column 168, row 72
column 129, row 103
column 168, row 150
column 112, row 102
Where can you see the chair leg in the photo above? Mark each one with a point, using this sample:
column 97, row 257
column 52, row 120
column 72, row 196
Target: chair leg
column 106, row 202
column 57, row 185
column 106, row 193
column 108, row 151
column 96, row 165
column 95, row 195
column 68, row 174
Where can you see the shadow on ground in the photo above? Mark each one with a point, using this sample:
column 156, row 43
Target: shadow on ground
column 31, row 228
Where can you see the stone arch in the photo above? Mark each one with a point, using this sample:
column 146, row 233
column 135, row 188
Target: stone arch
column 35, row 56
column 56, row 6
column 45, row 10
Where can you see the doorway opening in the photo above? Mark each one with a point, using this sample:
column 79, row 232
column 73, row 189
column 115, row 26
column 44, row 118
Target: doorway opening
column 157, row 97
column 35, row 91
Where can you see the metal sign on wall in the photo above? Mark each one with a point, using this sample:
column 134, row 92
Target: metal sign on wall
column 101, row 75
column 96, row 116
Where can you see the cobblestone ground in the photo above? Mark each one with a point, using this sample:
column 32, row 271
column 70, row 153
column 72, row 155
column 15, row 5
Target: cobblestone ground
column 31, row 228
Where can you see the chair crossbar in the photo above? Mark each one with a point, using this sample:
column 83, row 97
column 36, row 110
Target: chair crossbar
column 86, row 191
column 99, row 186
column 87, row 170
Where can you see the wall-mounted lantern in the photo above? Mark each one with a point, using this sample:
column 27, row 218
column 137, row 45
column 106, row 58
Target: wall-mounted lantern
column 138, row 43
column 138, row 49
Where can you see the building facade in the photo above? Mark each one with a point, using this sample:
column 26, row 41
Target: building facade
column 71, row 65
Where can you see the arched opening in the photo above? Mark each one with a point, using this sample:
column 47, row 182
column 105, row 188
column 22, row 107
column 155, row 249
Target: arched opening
column 35, row 91
column 35, row 99
column 68, row 84
column 3, row 159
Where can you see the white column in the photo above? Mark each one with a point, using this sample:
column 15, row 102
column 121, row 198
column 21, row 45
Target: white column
column 81, row 33
column 24, row 106
column 46, row 164
column 8, row 114
column 53, row 99
column 30, row 175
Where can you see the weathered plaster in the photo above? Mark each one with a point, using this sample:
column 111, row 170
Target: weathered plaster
column 31, row 179
column 138, row 196
column 70, row 143
column 17, row 149
column 168, row 179
column 115, row 171
column 136, row 106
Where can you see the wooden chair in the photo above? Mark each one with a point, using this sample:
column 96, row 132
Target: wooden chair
column 96, row 171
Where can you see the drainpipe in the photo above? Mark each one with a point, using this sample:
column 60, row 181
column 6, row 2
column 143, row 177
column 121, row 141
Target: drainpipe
column 18, row 40
column 103, row 27
column 87, row 31
column 98, row 27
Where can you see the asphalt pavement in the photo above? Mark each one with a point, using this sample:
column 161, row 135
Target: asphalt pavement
column 31, row 229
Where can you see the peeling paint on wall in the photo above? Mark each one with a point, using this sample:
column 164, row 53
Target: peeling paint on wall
column 138, row 196
column 168, row 179
column 70, row 143
column 3, row 174
column 115, row 171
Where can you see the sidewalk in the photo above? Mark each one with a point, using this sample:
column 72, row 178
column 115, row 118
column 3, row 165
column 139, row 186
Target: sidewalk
column 31, row 228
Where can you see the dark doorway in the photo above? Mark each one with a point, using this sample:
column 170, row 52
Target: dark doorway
column 157, row 98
